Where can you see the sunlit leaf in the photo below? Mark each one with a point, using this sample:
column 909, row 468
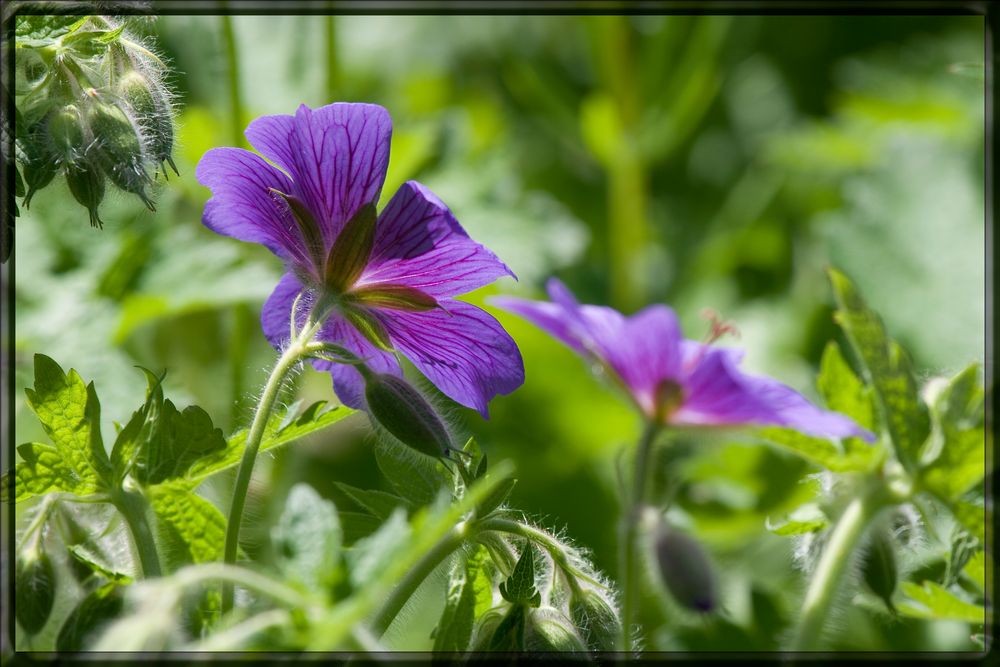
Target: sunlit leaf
column 193, row 529
column 933, row 601
column 307, row 539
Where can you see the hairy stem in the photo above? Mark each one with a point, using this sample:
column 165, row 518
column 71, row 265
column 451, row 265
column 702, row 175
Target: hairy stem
column 628, row 533
column 296, row 350
column 452, row 540
column 132, row 506
column 827, row 576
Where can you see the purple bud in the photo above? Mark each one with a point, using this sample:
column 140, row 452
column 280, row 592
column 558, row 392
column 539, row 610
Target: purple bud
column 685, row 569
column 406, row 414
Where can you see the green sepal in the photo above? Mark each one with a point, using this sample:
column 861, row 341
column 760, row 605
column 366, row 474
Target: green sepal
column 349, row 254
column 519, row 588
column 393, row 297
column 312, row 235
column 368, row 326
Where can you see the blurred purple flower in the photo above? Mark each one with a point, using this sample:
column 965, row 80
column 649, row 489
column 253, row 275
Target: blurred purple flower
column 670, row 379
column 392, row 276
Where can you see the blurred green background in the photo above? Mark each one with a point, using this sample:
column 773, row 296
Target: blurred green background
column 699, row 161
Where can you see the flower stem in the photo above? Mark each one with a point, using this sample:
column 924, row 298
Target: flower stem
column 628, row 536
column 292, row 354
column 233, row 64
column 826, row 578
column 452, row 540
column 132, row 506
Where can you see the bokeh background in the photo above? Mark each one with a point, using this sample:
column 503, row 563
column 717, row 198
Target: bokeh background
column 698, row 161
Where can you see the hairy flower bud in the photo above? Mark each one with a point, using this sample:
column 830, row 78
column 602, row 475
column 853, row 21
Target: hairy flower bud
column 38, row 167
column 496, row 630
column 406, row 414
column 596, row 620
column 148, row 102
column 117, row 149
column 685, row 569
column 66, row 134
column 547, row 629
column 86, row 182
column 34, row 589
column 878, row 567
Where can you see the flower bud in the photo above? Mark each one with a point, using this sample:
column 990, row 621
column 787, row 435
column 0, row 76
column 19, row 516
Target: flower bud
column 38, row 168
column 66, row 134
column 402, row 411
column 878, row 567
column 148, row 103
column 117, row 149
column 486, row 627
column 86, row 182
column 549, row 630
column 34, row 589
column 685, row 569
column 596, row 619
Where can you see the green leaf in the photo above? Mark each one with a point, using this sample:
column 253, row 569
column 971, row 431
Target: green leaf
column 497, row 497
column 843, row 391
column 85, row 556
column 357, row 525
column 372, row 554
column 454, row 629
column 85, row 621
column 960, row 465
column 307, row 539
column 415, row 476
column 807, row 518
column 43, row 470
column 193, row 529
column 70, row 413
column 856, row 456
column 178, row 441
column 934, row 602
column 519, row 588
column 377, row 503
column 960, row 403
column 972, row 517
column 36, row 28
column 313, row 419
column 888, row 369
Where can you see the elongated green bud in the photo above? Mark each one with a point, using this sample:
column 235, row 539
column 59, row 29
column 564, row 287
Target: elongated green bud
column 67, row 134
column 38, row 167
column 878, row 567
column 86, row 182
column 685, row 569
column 34, row 589
column 596, row 620
column 117, row 149
column 405, row 413
column 148, row 103
column 547, row 629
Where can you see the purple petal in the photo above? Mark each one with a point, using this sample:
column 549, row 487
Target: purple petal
column 419, row 243
column 347, row 381
column 464, row 351
column 718, row 393
column 336, row 155
column 549, row 317
column 242, row 205
column 275, row 317
column 645, row 352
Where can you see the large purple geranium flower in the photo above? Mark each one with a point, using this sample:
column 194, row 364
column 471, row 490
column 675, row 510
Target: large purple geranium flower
column 390, row 277
column 670, row 379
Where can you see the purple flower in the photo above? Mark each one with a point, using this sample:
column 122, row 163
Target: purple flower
column 670, row 379
column 392, row 276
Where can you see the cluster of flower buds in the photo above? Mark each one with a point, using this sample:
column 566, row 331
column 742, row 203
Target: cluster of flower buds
column 91, row 105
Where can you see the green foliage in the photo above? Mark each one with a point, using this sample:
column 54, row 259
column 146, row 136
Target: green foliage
column 88, row 618
column 192, row 529
column 888, row 370
column 307, row 539
column 415, row 476
column 930, row 600
column 807, row 518
column 519, row 588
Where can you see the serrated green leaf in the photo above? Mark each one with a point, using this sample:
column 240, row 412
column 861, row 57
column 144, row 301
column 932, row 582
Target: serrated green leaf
column 70, row 413
column 192, row 528
column 178, row 441
column 454, row 628
column 519, row 588
column 857, row 456
column 43, row 470
column 888, row 369
column 37, row 28
column 312, row 419
column 842, row 391
column 415, row 476
column 805, row 519
column 934, row 602
column 131, row 439
column 371, row 554
column 307, row 539
column 377, row 503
